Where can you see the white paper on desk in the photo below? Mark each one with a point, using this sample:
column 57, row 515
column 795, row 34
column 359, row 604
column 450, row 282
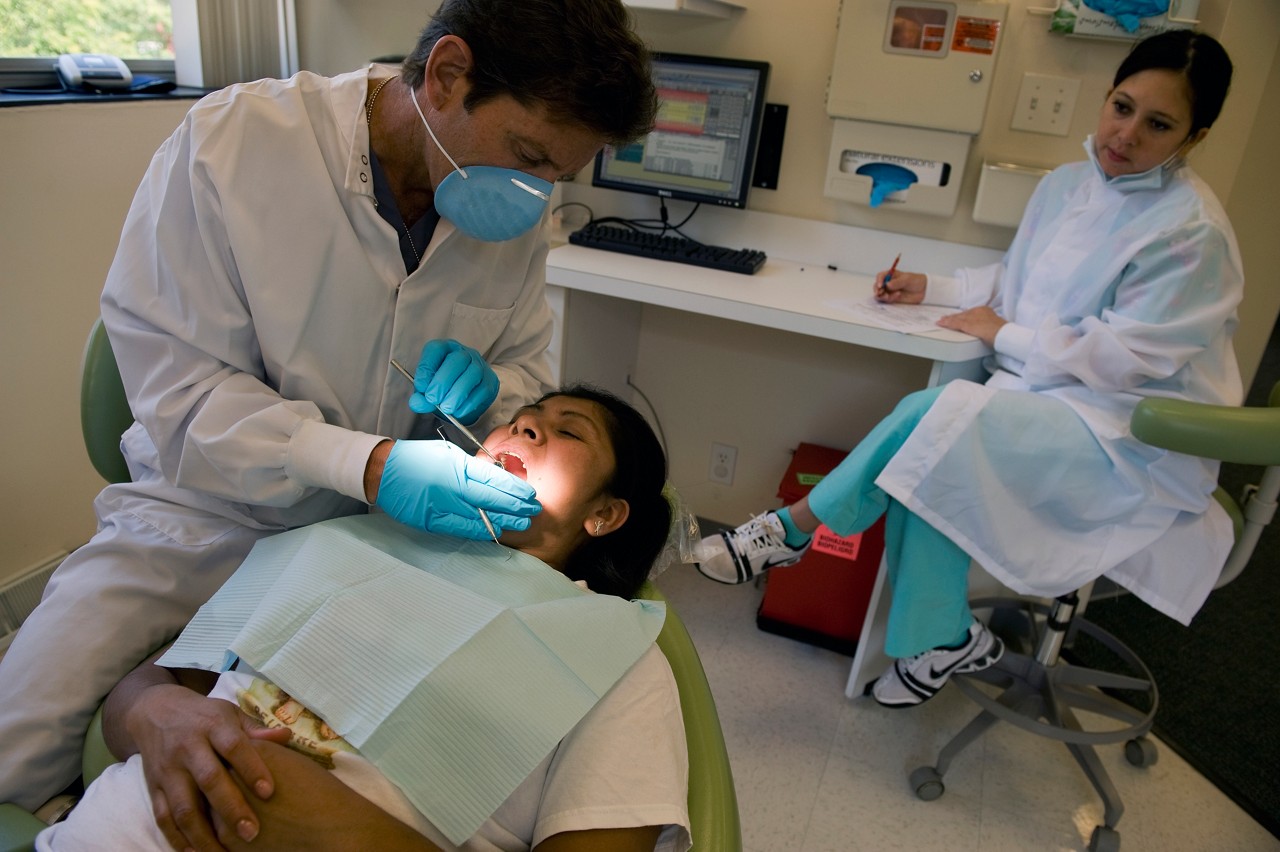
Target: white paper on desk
column 907, row 319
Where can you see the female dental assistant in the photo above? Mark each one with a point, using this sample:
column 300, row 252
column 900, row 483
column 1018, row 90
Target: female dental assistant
column 1122, row 282
column 287, row 241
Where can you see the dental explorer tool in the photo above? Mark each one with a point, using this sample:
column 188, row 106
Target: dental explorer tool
column 453, row 421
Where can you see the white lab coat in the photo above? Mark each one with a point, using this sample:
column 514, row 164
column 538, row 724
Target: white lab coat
column 253, row 305
column 1114, row 290
column 257, row 297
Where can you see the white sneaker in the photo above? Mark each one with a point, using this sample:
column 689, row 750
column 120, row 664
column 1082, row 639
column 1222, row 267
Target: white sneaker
column 914, row 680
column 753, row 548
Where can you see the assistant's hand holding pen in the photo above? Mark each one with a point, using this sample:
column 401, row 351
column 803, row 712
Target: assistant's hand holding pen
column 436, row 486
column 900, row 287
column 455, row 379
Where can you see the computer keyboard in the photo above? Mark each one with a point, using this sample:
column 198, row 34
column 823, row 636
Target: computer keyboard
column 628, row 241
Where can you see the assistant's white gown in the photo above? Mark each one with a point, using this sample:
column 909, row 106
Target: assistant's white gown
column 1115, row 290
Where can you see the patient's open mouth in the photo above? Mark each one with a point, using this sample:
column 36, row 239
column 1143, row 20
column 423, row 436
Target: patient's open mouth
column 512, row 464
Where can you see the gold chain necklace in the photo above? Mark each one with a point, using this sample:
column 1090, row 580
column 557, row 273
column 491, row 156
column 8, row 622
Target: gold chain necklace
column 368, row 117
column 368, row 110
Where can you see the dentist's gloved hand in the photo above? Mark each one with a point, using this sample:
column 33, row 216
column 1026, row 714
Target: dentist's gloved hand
column 454, row 379
column 435, row 486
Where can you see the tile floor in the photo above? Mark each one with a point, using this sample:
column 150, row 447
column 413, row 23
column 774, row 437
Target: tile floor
column 816, row 772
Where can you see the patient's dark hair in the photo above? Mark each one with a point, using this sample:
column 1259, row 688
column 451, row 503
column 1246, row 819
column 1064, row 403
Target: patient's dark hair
column 618, row 563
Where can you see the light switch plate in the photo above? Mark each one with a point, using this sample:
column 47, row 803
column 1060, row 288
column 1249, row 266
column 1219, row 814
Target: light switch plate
column 1045, row 104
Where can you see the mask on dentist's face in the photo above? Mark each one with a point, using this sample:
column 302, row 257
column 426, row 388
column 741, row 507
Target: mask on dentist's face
column 487, row 202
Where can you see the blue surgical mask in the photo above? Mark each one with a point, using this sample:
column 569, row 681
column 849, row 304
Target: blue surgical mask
column 487, row 203
column 1153, row 178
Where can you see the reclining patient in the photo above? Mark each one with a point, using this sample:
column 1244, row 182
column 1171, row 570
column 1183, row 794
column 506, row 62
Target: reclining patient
column 203, row 774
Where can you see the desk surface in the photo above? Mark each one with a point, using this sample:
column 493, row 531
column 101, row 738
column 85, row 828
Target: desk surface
column 784, row 294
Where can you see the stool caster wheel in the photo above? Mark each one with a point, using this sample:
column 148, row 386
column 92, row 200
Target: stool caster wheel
column 927, row 783
column 1140, row 751
column 1104, row 840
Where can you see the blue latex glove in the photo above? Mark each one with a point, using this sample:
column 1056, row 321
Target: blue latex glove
column 435, row 486
column 454, row 379
column 1129, row 13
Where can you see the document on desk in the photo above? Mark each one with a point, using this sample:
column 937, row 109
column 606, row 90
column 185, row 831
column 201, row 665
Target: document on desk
column 907, row 319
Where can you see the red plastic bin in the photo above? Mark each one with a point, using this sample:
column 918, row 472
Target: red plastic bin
column 823, row 599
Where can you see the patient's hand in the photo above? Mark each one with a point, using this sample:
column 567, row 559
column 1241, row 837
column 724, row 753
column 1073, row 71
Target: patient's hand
column 189, row 744
column 313, row 810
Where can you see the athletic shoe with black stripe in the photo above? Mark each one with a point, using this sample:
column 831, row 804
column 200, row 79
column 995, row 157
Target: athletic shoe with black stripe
column 750, row 550
column 914, row 680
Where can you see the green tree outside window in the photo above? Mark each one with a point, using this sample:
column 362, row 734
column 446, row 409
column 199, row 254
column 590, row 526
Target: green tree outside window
column 131, row 29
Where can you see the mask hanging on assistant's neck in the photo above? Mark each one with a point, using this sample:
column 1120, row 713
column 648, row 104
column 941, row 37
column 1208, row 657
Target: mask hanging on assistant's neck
column 1153, row 178
column 488, row 203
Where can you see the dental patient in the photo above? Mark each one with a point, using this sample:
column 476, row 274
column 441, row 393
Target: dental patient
column 202, row 774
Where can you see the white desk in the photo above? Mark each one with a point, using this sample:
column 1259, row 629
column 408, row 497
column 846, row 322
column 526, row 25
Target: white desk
column 604, row 292
column 784, row 294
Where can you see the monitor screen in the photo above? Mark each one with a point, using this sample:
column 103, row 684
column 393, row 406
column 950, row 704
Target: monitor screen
column 703, row 144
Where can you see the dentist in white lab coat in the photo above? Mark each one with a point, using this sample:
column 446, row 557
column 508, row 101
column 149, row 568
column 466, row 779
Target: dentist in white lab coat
column 288, row 240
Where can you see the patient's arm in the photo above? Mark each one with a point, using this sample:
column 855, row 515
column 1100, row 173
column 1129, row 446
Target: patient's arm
column 641, row 839
column 313, row 810
column 187, row 741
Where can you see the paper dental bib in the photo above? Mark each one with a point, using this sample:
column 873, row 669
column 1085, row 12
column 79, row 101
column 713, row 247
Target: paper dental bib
column 453, row 666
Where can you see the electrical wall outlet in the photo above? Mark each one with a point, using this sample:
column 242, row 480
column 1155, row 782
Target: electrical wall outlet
column 723, row 459
column 1045, row 104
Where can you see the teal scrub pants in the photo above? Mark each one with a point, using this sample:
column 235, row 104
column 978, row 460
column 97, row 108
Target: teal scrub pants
column 928, row 573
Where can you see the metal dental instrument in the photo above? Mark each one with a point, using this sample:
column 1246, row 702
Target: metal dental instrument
column 453, row 421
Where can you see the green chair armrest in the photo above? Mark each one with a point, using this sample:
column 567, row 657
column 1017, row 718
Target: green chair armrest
column 713, row 800
column 104, row 410
column 96, row 756
column 1238, row 435
column 18, row 829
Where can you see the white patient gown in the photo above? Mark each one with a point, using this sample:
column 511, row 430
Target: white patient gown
column 1114, row 290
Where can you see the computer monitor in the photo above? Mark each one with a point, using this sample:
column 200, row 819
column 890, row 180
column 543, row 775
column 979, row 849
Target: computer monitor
column 703, row 144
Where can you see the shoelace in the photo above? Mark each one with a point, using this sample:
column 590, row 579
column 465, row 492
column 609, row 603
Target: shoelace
column 760, row 537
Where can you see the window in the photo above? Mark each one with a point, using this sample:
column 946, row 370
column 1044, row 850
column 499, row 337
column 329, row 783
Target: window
column 223, row 41
column 130, row 29
column 33, row 32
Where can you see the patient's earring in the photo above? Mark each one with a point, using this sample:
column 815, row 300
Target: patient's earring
column 599, row 524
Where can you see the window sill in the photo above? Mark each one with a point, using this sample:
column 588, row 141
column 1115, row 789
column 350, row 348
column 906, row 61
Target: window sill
column 55, row 96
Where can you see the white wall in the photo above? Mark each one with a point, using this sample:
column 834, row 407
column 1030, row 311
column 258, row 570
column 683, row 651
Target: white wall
column 69, row 173
column 798, row 38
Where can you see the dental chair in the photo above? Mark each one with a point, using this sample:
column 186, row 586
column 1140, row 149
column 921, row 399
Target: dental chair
column 1039, row 691
column 713, row 801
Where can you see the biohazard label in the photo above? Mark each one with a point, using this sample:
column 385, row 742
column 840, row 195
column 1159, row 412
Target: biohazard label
column 975, row 35
column 840, row 546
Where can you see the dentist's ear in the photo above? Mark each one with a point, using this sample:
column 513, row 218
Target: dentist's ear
column 446, row 70
column 609, row 517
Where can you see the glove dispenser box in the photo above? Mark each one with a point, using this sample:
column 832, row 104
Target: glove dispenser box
column 889, row 166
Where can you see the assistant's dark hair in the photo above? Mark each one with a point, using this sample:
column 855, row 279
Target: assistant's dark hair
column 579, row 58
column 1198, row 57
column 618, row 563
